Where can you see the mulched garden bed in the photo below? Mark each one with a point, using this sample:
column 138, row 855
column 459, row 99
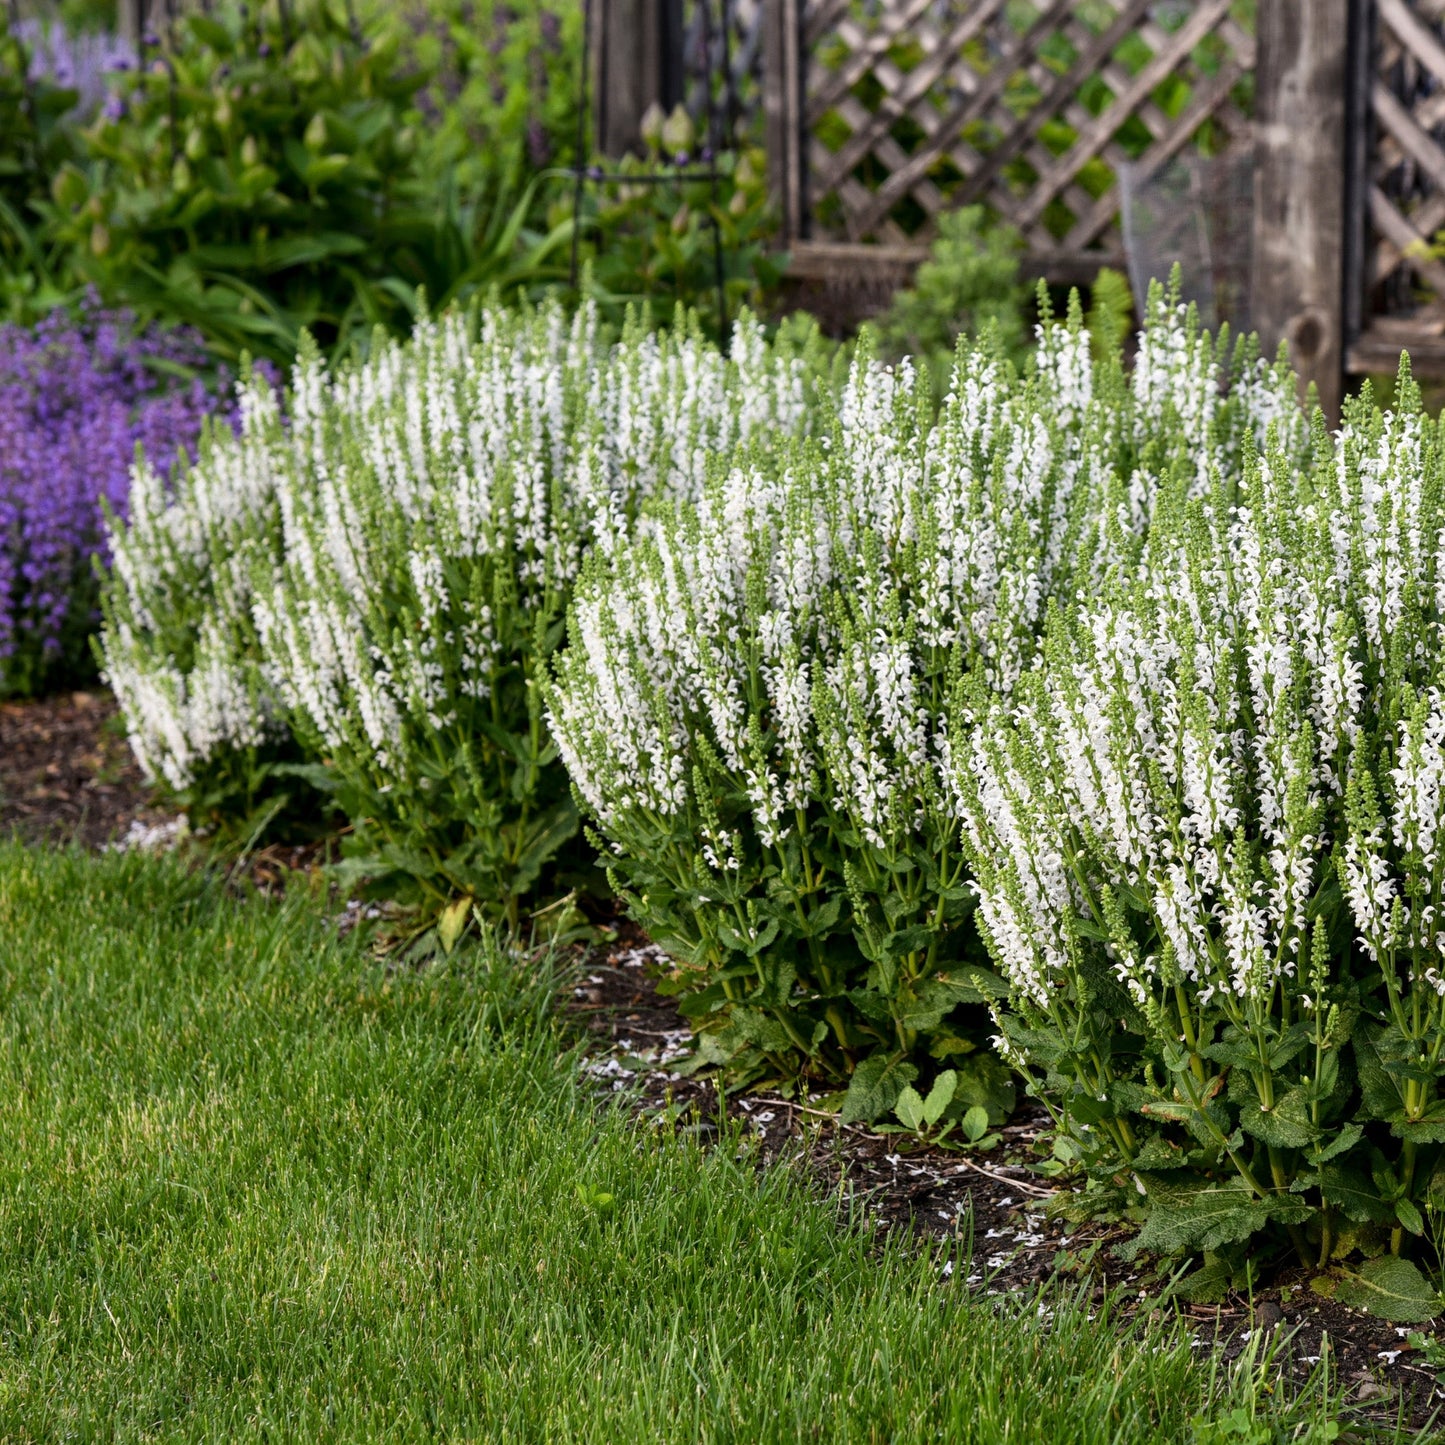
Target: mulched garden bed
column 992, row 1205
column 67, row 775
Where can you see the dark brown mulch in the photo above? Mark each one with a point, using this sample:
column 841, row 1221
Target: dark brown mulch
column 992, row 1205
column 67, row 774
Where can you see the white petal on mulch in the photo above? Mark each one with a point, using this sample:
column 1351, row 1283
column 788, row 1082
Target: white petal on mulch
column 145, row 837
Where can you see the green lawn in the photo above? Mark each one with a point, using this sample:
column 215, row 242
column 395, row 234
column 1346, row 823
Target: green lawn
column 252, row 1186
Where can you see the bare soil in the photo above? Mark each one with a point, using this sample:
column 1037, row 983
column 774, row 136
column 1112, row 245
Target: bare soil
column 67, row 774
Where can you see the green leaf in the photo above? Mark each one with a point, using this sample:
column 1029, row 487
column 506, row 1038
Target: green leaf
column 985, row 1080
column 545, row 837
column 975, row 1124
column 874, row 1088
column 1342, row 1143
column 1428, row 1128
column 1435, row 1190
column 452, row 922
column 1286, row 1126
column 940, row 1096
column 210, row 32
column 1409, row 1216
column 910, row 1109
column 1353, row 1192
column 1390, row 1288
column 1182, row 1221
column 1381, row 1096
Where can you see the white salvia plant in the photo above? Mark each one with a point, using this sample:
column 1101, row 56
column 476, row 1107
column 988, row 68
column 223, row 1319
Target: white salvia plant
column 758, row 703
column 1205, row 839
column 377, row 568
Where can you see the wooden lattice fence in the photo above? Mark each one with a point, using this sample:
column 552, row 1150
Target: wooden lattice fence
column 1401, row 288
column 911, row 107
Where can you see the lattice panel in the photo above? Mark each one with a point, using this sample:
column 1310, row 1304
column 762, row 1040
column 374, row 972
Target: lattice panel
column 1029, row 106
column 1407, row 176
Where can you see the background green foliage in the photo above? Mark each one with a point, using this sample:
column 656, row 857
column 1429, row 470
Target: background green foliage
column 34, row 143
column 681, row 242
column 969, row 284
column 273, row 172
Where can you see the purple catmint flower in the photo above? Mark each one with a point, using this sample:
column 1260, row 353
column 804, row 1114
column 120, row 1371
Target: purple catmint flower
column 76, row 397
column 539, row 148
column 80, row 62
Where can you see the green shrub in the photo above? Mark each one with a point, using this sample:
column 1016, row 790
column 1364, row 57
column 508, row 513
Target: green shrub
column 363, row 588
column 34, row 142
column 1205, row 837
column 683, row 242
column 266, row 173
column 969, row 283
column 501, row 93
column 759, row 701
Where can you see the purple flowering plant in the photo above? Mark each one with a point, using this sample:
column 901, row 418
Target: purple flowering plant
column 77, row 396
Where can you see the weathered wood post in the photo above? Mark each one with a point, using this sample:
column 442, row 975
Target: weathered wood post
column 782, row 104
column 637, row 55
column 131, row 20
column 1299, row 187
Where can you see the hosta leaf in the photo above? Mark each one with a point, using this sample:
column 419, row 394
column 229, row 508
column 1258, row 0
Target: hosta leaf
column 874, row 1088
column 1390, row 1288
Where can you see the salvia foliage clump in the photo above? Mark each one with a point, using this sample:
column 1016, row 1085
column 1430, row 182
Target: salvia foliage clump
column 765, row 699
column 360, row 589
column 1095, row 712
column 1206, row 839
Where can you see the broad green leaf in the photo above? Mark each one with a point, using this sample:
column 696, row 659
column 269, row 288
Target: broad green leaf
column 1389, row 1287
column 874, row 1088
column 1409, row 1216
column 1354, row 1192
column 910, row 1109
column 975, row 1123
column 1286, row 1126
column 940, row 1096
column 453, row 920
